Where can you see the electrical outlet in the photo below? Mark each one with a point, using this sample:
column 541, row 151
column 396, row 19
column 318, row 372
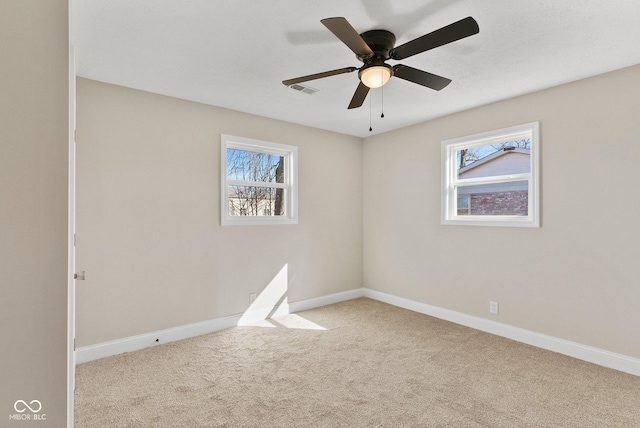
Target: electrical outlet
column 252, row 297
column 493, row 307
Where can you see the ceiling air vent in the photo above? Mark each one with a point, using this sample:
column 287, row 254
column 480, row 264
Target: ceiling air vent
column 302, row 88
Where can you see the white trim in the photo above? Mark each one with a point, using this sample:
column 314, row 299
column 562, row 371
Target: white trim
column 450, row 181
column 285, row 308
column 317, row 302
column 290, row 154
column 590, row 354
column 71, row 221
column 147, row 340
column 254, row 315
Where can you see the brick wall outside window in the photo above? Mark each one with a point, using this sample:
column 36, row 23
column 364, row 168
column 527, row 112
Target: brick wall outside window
column 500, row 203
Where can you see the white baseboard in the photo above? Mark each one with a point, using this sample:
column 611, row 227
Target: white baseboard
column 598, row 356
column 590, row 354
column 135, row 343
column 317, row 302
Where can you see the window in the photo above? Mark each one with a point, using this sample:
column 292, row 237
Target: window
column 259, row 182
column 491, row 179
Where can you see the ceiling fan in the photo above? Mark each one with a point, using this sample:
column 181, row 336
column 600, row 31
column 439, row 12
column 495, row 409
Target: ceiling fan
column 374, row 47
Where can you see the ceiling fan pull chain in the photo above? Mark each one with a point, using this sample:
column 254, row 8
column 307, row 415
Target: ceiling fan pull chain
column 370, row 128
column 382, row 108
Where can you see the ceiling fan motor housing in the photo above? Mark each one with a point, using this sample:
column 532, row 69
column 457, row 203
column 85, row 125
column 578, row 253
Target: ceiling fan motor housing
column 380, row 42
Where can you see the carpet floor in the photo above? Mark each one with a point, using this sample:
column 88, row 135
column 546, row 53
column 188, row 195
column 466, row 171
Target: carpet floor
column 359, row 363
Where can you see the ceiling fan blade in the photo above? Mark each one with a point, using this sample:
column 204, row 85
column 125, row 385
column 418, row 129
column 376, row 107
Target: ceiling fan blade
column 341, row 28
column 358, row 98
column 420, row 77
column 290, row 82
column 458, row 30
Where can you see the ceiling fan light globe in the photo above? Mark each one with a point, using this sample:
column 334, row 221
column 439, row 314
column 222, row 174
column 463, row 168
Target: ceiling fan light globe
column 375, row 76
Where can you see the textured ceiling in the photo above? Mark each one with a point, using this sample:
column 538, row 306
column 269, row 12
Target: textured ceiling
column 235, row 54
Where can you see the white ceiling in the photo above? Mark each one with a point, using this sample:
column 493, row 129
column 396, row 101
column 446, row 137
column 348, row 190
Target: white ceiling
column 235, row 53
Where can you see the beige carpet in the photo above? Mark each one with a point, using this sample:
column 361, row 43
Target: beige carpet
column 359, row 363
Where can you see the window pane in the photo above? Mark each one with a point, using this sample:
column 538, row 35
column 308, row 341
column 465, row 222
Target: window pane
column 510, row 198
column 502, row 158
column 463, row 205
column 252, row 166
column 256, row 201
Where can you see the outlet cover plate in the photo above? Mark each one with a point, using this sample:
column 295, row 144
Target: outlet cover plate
column 493, row 307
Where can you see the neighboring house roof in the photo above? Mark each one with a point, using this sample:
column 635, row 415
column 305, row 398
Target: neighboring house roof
column 493, row 156
column 503, row 162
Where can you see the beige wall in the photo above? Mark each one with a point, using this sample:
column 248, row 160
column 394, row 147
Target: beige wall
column 148, row 215
column 156, row 257
column 34, row 147
column 576, row 277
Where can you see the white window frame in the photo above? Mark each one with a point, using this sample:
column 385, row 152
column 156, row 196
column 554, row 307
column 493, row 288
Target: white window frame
column 290, row 185
column 450, row 181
